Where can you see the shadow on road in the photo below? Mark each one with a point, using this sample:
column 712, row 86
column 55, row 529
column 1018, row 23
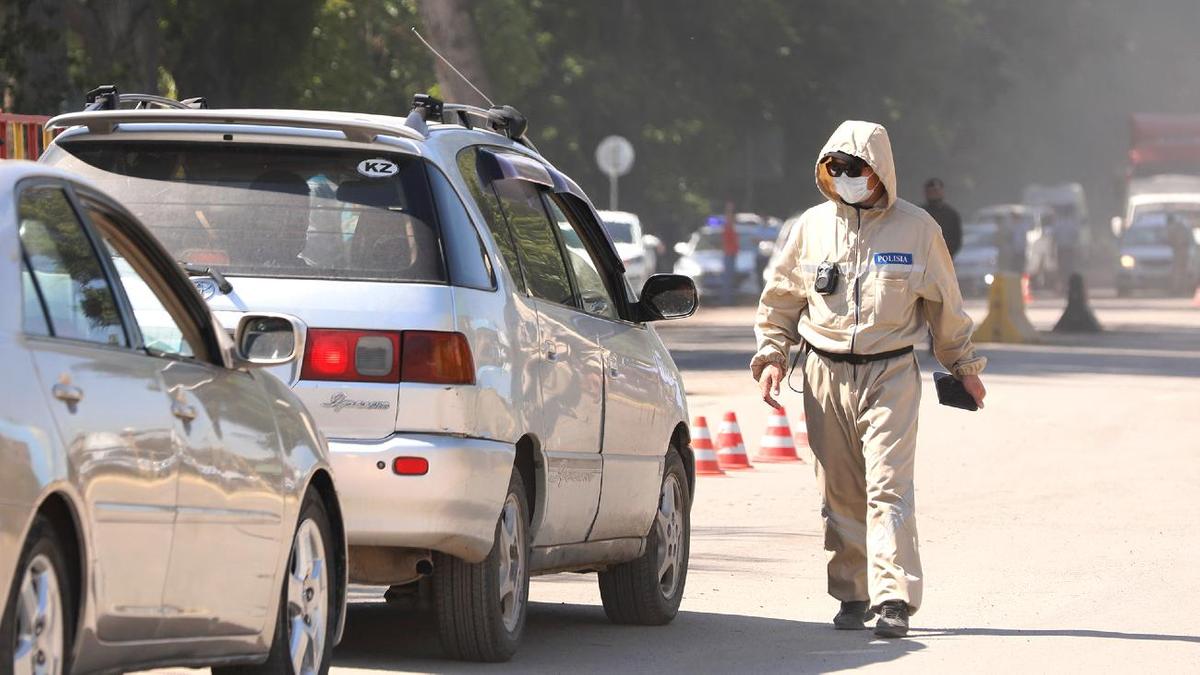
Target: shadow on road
column 579, row 638
column 1065, row 632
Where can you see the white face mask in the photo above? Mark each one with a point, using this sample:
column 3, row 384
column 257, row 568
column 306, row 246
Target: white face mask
column 851, row 190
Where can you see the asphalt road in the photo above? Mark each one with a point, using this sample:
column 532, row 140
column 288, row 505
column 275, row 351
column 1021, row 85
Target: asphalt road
column 1058, row 527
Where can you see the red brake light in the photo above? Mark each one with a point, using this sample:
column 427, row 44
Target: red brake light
column 351, row 356
column 410, row 466
column 437, row 358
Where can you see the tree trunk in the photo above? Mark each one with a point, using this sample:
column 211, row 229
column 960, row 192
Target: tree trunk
column 451, row 30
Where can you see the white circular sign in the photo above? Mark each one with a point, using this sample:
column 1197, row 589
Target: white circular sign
column 615, row 155
column 377, row 168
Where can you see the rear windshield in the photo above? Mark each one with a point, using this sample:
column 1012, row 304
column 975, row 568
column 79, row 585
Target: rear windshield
column 274, row 211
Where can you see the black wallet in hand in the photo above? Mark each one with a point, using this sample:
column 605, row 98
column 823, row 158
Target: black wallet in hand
column 951, row 392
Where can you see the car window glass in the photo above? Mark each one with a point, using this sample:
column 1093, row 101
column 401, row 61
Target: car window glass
column 33, row 319
column 66, row 270
column 274, row 211
column 592, row 289
column 541, row 256
column 468, row 262
column 161, row 334
column 493, row 217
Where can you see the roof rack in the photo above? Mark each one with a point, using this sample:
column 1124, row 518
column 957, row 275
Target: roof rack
column 106, row 121
column 503, row 119
column 106, row 97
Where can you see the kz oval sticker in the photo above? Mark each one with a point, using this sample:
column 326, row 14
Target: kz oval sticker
column 377, row 168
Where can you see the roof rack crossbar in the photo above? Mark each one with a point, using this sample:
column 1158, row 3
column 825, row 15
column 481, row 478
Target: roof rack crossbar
column 504, row 120
column 106, row 121
column 106, row 97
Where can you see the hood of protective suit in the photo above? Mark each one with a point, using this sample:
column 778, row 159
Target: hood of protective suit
column 867, row 141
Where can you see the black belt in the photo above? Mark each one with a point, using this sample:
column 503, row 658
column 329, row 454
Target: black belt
column 859, row 359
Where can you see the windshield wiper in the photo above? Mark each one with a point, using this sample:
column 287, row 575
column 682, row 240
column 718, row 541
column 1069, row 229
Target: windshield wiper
column 195, row 270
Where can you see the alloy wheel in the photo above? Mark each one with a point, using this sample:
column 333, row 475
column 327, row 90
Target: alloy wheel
column 511, row 562
column 39, row 646
column 669, row 525
column 307, row 600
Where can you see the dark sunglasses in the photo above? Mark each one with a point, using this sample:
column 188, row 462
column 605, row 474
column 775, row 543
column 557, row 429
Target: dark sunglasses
column 836, row 167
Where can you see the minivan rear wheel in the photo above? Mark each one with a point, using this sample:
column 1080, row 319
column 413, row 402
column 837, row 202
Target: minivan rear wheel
column 647, row 591
column 481, row 607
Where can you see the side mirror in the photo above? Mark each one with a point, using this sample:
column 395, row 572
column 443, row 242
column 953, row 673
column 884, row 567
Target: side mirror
column 1118, row 224
column 264, row 340
column 668, row 296
column 681, row 248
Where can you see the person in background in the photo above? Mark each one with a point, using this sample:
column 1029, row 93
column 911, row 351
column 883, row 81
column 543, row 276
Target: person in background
column 945, row 215
column 729, row 242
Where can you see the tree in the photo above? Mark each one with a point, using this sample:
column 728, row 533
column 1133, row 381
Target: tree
column 451, row 29
column 33, row 53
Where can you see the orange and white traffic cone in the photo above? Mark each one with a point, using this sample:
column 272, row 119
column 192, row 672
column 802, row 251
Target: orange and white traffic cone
column 1026, row 290
column 702, row 446
column 731, row 450
column 777, row 444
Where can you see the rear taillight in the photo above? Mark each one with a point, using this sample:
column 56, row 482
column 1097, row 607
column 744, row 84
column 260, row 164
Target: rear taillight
column 433, row 357
column 437, row 358
column 351, row 356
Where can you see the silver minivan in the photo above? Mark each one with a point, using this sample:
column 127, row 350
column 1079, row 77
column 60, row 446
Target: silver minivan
column 497, row 401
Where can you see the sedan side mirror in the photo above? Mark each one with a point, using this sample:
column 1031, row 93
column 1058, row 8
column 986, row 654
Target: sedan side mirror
column 1117, row 225
column 268, row 340
column 668, row 296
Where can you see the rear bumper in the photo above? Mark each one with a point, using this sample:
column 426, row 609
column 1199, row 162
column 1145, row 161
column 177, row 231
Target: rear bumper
column 453, row 508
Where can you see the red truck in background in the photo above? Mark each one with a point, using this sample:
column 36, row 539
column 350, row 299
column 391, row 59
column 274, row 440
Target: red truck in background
column 23, row 136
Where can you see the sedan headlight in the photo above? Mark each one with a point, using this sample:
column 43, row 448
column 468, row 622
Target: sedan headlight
column 1128, row 261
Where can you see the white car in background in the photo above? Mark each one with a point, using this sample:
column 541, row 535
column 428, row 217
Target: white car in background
column 625, row 230
column 497, row 402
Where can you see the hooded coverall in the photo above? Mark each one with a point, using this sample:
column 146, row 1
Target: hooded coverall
column 897, row 282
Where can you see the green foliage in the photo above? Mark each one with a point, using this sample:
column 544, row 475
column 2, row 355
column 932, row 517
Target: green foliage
column 722, row 100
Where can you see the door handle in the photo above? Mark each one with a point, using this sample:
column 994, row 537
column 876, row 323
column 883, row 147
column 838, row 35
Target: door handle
column 183, row 411
column 550, row 349
column 67, row 393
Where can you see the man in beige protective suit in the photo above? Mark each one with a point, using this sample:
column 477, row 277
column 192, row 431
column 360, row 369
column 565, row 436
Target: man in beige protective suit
column 860, row 279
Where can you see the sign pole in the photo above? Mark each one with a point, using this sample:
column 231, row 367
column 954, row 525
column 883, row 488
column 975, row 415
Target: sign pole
column 612, row 192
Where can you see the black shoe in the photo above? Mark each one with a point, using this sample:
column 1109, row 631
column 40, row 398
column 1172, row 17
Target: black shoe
column 893, row 619
column 853, row 615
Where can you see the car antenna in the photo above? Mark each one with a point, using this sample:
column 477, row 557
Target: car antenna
column 451, row 65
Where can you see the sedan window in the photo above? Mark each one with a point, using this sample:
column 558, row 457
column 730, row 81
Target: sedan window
column 66, row 271
column 161, row 333
column 34, row 319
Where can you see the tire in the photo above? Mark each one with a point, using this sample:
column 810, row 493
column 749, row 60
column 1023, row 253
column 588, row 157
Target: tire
column 647, row 591
column 39, row 615
column 311, row 573
column 479, row 617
